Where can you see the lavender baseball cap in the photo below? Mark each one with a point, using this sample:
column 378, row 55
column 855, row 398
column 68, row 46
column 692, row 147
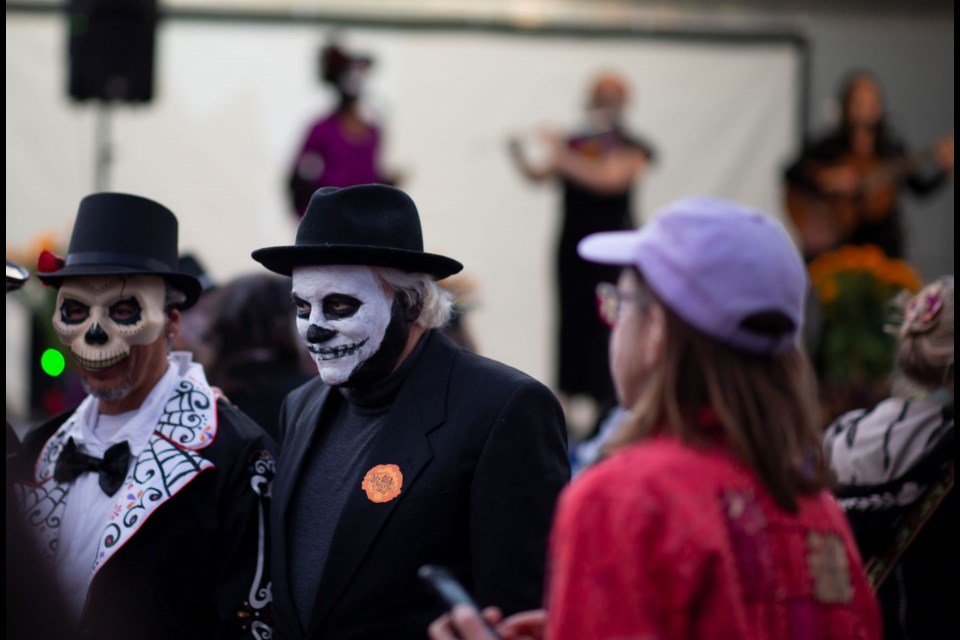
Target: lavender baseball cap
column 719, row 266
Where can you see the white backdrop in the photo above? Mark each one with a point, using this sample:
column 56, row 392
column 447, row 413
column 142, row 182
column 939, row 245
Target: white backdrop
column 234, row 100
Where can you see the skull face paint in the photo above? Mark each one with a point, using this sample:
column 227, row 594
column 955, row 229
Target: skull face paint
column 101, row 317
column 342, row 314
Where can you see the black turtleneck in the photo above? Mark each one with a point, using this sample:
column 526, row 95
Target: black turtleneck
column 333, row 471
column 377, row 398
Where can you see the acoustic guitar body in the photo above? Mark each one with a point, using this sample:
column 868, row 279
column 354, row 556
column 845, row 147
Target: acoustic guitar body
column 877, row 192
column 822, row 222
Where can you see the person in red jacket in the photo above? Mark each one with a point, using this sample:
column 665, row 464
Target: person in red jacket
column 710, row 517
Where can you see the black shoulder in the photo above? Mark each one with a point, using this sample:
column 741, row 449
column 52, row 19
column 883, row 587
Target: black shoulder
column 891, row 145
column 297, row 399
column 239, row 430
column 23, row 463
column 642, row 144
column 827, row 148
column 485, row 377
column 38, row 435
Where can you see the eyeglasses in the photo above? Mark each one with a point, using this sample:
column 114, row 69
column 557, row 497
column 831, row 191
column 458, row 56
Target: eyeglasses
column 610, row 302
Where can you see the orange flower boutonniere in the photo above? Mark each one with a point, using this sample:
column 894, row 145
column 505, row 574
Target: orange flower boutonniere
column 383, row 483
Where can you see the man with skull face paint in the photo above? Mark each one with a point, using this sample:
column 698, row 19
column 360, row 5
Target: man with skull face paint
column 407, row 449
column 150, row 499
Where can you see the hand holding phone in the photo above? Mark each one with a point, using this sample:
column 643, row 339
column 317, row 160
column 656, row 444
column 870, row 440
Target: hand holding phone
column 450, row 591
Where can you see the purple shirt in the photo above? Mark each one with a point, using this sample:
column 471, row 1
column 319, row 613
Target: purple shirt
column 330, row 158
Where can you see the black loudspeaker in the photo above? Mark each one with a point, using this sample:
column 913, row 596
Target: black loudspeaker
column 111, row 45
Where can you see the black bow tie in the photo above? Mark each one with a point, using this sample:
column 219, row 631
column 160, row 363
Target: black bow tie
column 112, row 468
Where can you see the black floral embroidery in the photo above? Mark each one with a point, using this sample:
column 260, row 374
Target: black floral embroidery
column 43, row 507
column 161, row 470
column 182, row 420
column 51, row 452
column 255, row 612
column 262, row 468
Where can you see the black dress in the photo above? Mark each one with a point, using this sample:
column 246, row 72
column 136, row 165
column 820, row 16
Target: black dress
column 582, row 338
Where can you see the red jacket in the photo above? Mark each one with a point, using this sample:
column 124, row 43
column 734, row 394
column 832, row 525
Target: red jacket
column 667, row 541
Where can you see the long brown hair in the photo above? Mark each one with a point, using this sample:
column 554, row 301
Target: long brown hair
column 766, row 407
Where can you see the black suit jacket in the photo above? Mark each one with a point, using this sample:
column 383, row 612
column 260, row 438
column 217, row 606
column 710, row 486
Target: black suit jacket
column 191, row 570
column 482, row 450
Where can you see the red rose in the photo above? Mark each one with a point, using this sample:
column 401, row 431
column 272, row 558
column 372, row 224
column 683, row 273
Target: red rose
column 48, row 262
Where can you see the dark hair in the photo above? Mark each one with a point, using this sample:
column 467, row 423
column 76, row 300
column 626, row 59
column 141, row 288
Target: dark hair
column 255, row 322
column 844, row 96
column 333, row 62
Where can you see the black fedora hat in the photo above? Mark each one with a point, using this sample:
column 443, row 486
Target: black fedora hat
column 121, row 234
column 370, row 224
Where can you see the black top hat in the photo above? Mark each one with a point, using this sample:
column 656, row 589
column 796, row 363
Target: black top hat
column 121, row 234
column 334, row 60
column 191, row 265
column 370, row 224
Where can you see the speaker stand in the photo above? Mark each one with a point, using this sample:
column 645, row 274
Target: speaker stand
column 104, row 150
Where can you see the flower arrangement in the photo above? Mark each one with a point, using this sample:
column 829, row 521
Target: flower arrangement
column 856, row 286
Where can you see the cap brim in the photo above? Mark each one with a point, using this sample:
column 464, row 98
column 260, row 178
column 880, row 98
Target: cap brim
column 610, row 247
column 283, row 260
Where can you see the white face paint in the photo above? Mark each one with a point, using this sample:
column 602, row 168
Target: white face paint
column 101, row 317
column 342, row 315
column 353, row 80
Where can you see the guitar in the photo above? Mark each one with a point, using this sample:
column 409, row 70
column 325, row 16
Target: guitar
column 826, row 218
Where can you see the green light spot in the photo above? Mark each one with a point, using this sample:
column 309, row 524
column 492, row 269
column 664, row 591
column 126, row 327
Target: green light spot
column 52, row 362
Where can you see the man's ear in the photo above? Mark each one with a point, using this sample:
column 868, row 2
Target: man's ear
column 172, row 328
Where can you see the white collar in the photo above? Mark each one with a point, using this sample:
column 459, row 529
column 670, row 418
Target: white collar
column 139, row 426
column 181, row 408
